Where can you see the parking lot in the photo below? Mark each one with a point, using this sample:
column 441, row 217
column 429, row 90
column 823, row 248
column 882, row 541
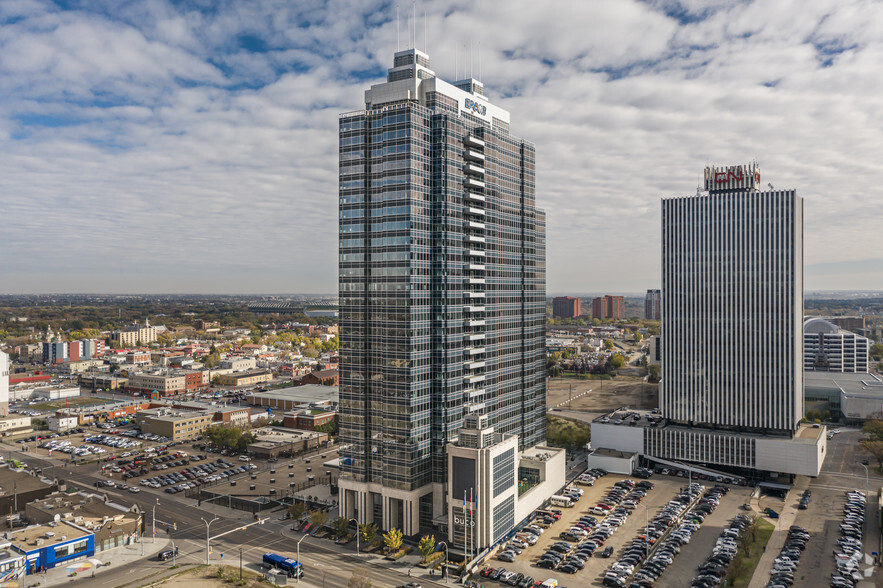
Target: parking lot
column 665, row 488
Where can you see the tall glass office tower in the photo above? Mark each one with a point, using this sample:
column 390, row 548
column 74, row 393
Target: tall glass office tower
column 442, row 289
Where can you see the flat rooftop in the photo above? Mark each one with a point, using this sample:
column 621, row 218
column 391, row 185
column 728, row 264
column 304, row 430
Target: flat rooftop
column 59, row 530
column 302, row 394
column 625, row 416
column 13, row 481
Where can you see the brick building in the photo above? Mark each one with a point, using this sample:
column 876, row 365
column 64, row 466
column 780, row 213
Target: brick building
column 612, row 307
column 565, row 307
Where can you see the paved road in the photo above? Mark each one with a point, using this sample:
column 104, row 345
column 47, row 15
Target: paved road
column 322, row 559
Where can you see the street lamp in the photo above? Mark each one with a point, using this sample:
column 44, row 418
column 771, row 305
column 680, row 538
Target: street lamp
column 358, row 551
column 208, row 525
column 445, row 568
column 867, row 480
column 299, row 562
column 153, row 519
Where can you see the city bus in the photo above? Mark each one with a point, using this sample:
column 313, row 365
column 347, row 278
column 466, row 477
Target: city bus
column 292, row 567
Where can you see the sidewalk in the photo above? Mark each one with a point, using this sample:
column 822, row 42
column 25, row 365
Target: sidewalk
column 116, row 558
column 786, row 518
column 406, row 566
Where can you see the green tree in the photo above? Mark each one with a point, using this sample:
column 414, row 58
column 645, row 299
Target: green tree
column 341, row 526
column 875, row 448
column 608, row 344
column 318, row 517
column 654, row 372
column 877, row 351
column 873, row 430
column 426, row 546
column 616, row 361
column 368, row 533
column 331, row 427
column 393, row 540
column 296, row 510
column 638, row 336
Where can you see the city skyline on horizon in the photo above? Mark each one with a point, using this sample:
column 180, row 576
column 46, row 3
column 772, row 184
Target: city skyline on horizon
column 165, row 169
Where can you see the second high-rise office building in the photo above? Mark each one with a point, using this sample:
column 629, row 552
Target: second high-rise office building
column 731, row 394
column 442, row 289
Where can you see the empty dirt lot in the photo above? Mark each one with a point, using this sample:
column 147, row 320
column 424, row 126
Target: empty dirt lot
column 600, row 395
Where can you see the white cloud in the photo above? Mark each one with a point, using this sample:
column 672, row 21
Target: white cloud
column 181, row 149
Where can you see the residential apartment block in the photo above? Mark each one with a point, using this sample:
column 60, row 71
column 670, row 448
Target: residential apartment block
column 565, row 307
column 653, row 305
column 612, row 307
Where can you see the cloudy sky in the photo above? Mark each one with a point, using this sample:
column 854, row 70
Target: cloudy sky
column 190, row 146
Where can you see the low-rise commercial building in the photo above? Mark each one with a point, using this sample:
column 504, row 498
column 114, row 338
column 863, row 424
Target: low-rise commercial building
column 57, row 392
column 101, row 381
column 18, row 488
column 248, row 378
column 62, row 423
column 15, row 424
column 112, row 524
column 286, row 399
column 46, row 547
column 238, row 364
column 174, row 424
column 322, row 377
column 308, row 419
column 276, row 441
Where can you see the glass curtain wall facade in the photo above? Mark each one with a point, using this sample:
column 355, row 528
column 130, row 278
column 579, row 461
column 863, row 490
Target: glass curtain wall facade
column 441, row 283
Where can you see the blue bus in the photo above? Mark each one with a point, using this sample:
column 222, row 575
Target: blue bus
column 292, row 567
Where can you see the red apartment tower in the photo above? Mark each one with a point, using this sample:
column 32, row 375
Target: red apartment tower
column 609, row 307
column 565, row 307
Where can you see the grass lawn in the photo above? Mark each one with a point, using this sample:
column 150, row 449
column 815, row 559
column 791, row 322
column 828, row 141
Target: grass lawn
column 742, row 566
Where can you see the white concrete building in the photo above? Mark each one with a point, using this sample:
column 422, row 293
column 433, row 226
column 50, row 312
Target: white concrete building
column 492, row 486
column 828, row 348
column 238, row 364
column 62, row 423
column 57, row 392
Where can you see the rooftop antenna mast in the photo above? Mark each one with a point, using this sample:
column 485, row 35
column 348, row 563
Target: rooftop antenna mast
column 470, row 59
column 456, row 62
column 479, row 60
column 398, row 32
column 425, row 48
column 414, row 9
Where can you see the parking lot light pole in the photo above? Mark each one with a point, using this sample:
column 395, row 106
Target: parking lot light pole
column 153, row 519
column 867, row 479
